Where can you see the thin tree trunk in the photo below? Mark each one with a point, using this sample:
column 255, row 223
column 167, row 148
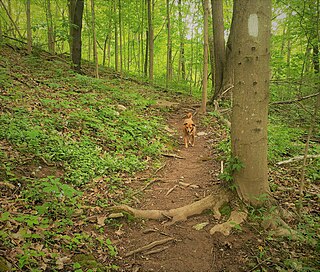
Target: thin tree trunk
column 314, row 121
column 94, row 40
column 151, row 48
column 8, row 12
column 203, row 108
column 169, row 47
column 29, row 32
column 116, row 47
column 51, row 38
column 182, row 66
column 120, row 38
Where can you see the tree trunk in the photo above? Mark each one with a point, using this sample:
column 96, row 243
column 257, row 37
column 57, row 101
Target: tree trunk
column 29, row 32
column 120, row 38
column 116, row 47
column 94, row 40
column 182, row 66
column 150, row 36
column 250, row 47
column 51, row 38
column 8, row 12
column 169, row 48
column 203, row 108
column 76, row 27
column 219, row 46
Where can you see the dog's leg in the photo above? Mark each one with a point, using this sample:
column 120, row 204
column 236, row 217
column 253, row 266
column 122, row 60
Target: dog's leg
column 192, row 138
column 186, row 141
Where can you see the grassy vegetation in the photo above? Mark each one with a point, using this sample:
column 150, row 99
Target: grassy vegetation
column 70, row 142
column 60, row 132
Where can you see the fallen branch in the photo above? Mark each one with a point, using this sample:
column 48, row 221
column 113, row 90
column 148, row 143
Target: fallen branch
column 298, row 158
column 294, row 100
column 172, row 155
column 149, row 246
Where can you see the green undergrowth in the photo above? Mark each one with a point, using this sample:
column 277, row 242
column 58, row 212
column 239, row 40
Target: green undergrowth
column 61, row 133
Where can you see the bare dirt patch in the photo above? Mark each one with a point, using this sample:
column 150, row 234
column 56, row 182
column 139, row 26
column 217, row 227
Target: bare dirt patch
column 184, row 179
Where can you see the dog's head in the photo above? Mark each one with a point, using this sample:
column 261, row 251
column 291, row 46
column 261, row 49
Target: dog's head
column 189, row 127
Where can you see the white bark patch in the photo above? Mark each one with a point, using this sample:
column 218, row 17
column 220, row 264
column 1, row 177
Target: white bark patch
column 253, row 25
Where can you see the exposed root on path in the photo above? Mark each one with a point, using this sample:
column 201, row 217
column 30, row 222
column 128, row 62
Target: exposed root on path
column 212, row 202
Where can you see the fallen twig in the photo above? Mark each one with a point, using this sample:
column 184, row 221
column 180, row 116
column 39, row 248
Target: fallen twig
column 160, row 168
column 173, row 156
column 149, row 246
column 156, row 250
column 149, row 183
column 170, row 190
column 298, row 158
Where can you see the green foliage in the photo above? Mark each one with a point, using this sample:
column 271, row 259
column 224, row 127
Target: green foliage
column 283, row 141
column 51, row 197
column 232, row 165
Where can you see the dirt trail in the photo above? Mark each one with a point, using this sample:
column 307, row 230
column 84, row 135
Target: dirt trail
column 191, row 249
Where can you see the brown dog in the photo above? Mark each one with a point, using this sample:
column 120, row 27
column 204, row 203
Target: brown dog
column 189, row 130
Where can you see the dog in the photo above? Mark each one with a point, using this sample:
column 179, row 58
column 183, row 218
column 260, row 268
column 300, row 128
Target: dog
column 189, row 130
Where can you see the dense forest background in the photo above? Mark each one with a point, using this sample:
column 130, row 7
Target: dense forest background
column 80, row 117
column 115, row 34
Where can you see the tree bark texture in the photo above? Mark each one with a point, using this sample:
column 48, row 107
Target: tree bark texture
column 250, row 49
column 51, row 38
column 169, row 47
column 205, row 56
column 95, row 51
column 150, row 38
column 29, row 32
column 219, row 46
column 76, row 28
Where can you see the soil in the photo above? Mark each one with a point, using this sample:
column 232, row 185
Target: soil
column 180, row 182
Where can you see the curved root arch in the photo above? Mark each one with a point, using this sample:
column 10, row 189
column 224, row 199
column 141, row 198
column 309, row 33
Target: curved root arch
column 212, row 202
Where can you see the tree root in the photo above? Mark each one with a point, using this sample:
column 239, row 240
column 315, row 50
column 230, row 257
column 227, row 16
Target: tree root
column 149, row 246
column 214, row 201
column 235, row 219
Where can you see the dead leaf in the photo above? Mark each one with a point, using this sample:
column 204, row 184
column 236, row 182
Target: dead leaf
column 100, row 220
column 61, row 262
column 200, row 226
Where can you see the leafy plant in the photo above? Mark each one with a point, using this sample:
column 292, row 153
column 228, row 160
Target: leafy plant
column 233, row 164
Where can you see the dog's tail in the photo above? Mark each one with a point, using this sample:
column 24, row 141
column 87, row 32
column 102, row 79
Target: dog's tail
column 189, row 115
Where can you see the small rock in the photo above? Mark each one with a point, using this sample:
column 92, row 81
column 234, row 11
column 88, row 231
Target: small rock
column 121, row 107
column 201, row 133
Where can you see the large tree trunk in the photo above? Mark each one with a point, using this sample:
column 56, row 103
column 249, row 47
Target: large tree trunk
column 76, row 27
column 219, row 46
column 205, row 56
column 250, row 48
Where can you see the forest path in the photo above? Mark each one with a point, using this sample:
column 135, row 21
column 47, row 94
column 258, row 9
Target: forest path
column 178, row 183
